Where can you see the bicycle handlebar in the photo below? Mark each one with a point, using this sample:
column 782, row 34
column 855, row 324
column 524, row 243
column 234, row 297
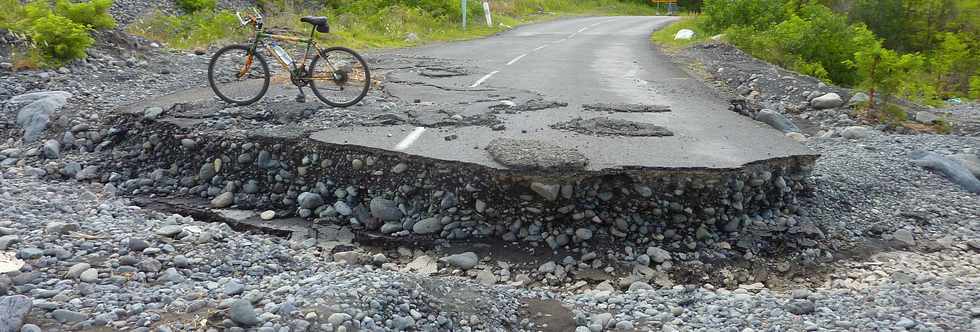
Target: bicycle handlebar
column 252, row 18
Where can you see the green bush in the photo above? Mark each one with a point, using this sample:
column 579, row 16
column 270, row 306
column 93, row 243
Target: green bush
column 199, row 29
column 94, row 13
column 975, row 86
column 60, row 38
column 759, row 14
column 192, row 6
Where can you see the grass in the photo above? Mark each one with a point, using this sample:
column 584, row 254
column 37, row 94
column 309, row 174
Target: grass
column 385, row 28
column 665, row 37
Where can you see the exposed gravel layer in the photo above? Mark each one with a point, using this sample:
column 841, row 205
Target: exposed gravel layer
column 149, row 269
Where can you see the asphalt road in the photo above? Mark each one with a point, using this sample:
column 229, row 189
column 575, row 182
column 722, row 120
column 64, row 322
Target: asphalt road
column 584, row 61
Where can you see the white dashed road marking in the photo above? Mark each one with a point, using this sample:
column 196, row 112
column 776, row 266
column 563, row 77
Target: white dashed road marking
column 516, row 59
column 484, row 79
column 410, row 139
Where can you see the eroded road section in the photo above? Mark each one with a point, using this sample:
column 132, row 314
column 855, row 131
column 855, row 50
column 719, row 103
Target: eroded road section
column 577, row 63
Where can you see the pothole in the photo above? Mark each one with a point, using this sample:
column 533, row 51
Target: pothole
column 535, row 155
column 612, row 127
column 626, row 108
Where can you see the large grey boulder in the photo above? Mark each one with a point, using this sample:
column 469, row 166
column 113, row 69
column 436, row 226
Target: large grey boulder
column 465, row 261
column 970, row 161
column 953, row 170
column 830, row 100
column 35, row 110
column 308, row 200
column 777, row 120
column 13, row 309
column 855, row 132
column 385, row 209
column 858, row 98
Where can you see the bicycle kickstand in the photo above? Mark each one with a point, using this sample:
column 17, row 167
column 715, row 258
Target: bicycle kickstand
column 301, row 97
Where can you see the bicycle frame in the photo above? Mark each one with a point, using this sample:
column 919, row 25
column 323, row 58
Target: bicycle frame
column 258, row 40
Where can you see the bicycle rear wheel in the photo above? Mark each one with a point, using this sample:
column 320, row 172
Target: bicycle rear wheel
column 236, row 77
column 339, row 77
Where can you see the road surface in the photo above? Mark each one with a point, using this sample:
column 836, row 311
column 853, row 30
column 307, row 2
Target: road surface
column 584, row 61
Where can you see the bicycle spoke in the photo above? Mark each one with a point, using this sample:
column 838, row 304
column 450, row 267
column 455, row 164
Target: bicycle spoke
column 339, row 77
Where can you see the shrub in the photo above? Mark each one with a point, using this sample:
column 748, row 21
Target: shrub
column 758, row 14
column 199, row 29
column 192, row 6
column 94, row 13
column 975, row 86
column 60, row 39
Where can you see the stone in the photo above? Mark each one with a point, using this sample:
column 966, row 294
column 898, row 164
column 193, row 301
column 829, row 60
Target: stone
column 583, row 234
column 925, row 117
column 52, row 149
column 268, row 215
column 385, row 209
column 905, row 237
column 138, row 245
column 424, row 264
column 67, row 316
column 35, row 114
column 639, row 286
column 13, row 311
column 427, row 226
column 188, row 143
column 338, row 319
column 243, row 313
column 150, row 265
column 547, row 191
column 858, row 99
column 169, row 230
column 465, row 261
column 89, row 275
column 659, row 255
column 224, row 200
column 343, row 208
column 602, row 319
column 76, row 270
column 856, row 132
column 800, row 307
column 777, row 120
column 308, row 200
column 232, row 288
column 56, row 228
column 970, row 161
column 796, row 137
column 547, row 267
column 152, row 113
column 830, row 100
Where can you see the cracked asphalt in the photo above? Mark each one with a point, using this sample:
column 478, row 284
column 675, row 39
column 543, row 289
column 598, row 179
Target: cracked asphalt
column 578, row 62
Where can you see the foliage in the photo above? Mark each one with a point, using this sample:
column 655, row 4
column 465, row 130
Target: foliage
column 94, row 13
column 975, row 86
column 665, row 36
column 193, row 6
column 386, row 23
column 884, row 71
column 199, row 29
column 758, row 14
column 893, row 115
column 60, row 38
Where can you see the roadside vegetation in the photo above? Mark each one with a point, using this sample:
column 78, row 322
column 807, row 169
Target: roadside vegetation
column 52, row 33
column 920, row 50
column 665, row 36
column 371, row 23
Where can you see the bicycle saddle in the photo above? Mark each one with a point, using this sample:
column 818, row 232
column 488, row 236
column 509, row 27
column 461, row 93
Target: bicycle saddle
column 319, row 22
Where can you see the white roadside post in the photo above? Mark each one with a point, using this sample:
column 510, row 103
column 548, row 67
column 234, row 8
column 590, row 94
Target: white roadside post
column 486, row 12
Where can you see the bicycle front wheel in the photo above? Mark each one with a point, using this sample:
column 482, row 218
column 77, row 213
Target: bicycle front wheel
column 238, row 77
column 339, row 77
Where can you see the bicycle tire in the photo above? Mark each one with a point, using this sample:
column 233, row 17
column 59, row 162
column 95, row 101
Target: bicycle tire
column 364, row 89
column 262, row 65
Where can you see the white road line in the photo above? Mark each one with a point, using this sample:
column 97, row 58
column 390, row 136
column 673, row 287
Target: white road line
column 484, row 79
column 573, row 35
column 561, row 40
column 411, row 138
column 540, row 48
column 583, row 29
column 516, row 59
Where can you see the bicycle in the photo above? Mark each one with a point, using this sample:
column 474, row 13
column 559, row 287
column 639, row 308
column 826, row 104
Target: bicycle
column 338, row 76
